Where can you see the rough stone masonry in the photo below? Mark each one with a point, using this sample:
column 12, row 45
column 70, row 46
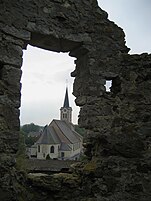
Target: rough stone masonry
column 118, row 123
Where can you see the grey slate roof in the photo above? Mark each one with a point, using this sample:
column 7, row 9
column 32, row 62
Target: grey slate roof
column 64, row 137
column 65, row 147
column 78, row 135
column 48, row 136
column 66, row 130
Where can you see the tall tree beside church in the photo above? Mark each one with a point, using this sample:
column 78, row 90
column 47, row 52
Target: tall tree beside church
column 26, row 129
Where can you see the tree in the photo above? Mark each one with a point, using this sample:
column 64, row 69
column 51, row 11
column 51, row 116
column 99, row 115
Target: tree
column 27, row 128
column 29, row 141
column 79, row 130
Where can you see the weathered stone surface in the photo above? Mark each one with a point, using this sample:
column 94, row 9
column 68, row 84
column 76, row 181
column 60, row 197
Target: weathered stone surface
column 118, row 123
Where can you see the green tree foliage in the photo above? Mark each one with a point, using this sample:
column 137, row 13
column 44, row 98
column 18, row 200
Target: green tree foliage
column 29, row 141
column 27, row 128
column 21, row 147
column 79, row 130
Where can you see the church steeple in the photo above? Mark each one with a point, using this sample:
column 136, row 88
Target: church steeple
column 66, row 110
column 66, row 99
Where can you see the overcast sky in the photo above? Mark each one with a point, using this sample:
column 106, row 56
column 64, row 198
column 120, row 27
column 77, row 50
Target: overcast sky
column 45, row 73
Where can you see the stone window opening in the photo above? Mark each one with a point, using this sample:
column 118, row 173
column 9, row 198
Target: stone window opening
column 41, row 81
column 113, row 84
column 105, row 43
column 108, row 85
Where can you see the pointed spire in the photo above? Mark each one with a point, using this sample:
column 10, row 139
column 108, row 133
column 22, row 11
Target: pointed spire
column 66, row 99
column 66, row 110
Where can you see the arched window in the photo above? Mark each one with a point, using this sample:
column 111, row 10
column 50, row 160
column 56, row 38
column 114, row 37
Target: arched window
column 64, row 116
column 52, row 149
column 38, row 148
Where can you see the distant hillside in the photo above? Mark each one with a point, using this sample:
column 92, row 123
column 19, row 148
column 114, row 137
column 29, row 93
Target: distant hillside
column 27, row 128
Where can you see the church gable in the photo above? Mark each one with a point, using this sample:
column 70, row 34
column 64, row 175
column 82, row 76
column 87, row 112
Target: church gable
column 66, row 130
column 59, row 132
column 48, row 136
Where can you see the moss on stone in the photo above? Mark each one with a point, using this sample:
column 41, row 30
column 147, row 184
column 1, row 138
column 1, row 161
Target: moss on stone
column 90, row 166
column 20, row 156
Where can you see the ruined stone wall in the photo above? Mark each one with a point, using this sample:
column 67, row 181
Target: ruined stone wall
column 118, row 123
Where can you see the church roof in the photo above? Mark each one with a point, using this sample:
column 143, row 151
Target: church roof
column 66, row 100
column 59, row 132
column 65, row 147
column 66, row 130
column 48, row 136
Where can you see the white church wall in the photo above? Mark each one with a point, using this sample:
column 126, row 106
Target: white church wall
column 40, row 151
column 64, row 155
column 45, row 149
column 56, row 151
column 33, row 151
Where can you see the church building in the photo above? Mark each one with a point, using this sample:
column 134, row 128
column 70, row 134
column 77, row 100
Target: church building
column 59, row 140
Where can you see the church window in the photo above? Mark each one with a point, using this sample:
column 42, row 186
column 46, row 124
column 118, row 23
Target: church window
column 64, row 116
column 52, row 149
column 38, row 148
